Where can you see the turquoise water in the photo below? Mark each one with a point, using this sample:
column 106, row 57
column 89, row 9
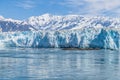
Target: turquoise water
column 58, row 64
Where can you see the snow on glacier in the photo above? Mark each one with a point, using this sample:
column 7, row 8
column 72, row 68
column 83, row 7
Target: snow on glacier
column 85, row 38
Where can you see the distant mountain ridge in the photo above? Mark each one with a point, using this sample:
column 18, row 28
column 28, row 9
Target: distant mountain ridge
column 55, row 22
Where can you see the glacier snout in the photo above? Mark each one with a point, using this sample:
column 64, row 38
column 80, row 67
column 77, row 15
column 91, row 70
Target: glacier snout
column 83, row 38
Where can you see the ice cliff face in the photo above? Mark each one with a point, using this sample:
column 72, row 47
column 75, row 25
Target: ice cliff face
column 83, row 38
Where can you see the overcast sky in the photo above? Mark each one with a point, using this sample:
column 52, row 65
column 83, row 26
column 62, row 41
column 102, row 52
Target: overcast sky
column 22, row 9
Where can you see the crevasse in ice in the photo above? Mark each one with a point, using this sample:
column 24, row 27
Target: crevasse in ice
column 103, row 38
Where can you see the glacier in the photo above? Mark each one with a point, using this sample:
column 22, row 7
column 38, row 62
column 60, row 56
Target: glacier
column 85, row 38
column 68, row 31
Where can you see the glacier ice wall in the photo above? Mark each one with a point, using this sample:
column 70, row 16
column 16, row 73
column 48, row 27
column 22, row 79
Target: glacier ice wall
column 102, row 38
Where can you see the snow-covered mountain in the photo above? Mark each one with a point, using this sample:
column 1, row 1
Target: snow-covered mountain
column 10, row 25
column 54, row 22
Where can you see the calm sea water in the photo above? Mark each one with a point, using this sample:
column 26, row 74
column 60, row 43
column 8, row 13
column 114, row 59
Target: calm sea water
column 57, row 64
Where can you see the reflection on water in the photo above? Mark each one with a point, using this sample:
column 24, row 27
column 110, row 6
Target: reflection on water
column 56, row 64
